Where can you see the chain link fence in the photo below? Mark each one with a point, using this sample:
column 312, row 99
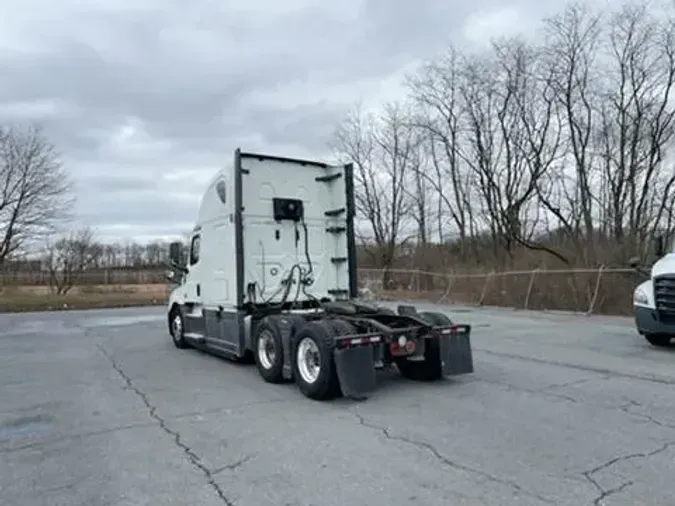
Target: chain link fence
column 118, row 276
column 591, row 291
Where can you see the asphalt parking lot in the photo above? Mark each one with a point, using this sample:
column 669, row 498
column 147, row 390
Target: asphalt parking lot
column 99, row 408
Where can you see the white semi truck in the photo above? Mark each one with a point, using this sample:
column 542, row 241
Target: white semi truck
column 271, row 275
column 654, row 299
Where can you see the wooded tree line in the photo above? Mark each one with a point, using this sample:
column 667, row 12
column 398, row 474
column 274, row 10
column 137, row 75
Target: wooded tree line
column 548, row 152
column 36, row 217
column 534, row 153
column 77, row 257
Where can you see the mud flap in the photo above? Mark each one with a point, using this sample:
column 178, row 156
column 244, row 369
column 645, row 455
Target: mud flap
column 356, row 371
column 456, row 354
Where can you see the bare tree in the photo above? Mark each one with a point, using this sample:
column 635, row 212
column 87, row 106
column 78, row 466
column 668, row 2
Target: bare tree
column 529, row 124
column 435, row 90
column 485, row 154
column 638, row 124
column 384, row 151
column 68, row 257
column 573, row 37
column 35, row 193
column 535, row 150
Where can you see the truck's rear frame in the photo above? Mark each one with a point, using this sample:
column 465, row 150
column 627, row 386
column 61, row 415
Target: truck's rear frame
column 363, row 340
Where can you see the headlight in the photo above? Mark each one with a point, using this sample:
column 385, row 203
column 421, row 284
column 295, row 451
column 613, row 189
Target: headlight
column 640, row 297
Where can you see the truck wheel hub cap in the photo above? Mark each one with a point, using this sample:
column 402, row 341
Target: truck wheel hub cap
column 177, row 327
column 266, row 350
column 308, row 360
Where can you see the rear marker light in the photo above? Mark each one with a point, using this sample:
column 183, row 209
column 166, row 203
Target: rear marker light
column 453, row 330
column 361, row 340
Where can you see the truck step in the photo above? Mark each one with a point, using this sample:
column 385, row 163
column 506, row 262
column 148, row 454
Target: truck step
column 336, row 230
column 335, row 212
column 338, row 291
column 338, row 260
column 328, row 177
column 194, row 336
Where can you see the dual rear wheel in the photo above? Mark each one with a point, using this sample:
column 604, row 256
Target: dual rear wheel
column 311, row 348
column 312, row 362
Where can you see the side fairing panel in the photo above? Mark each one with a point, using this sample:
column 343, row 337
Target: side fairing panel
column 215, row 272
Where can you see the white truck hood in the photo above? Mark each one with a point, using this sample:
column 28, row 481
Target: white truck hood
column 665, row 265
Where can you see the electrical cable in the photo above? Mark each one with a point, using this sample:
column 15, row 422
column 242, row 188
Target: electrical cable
column 307, row 280
column 304, row 279
column 307, row 255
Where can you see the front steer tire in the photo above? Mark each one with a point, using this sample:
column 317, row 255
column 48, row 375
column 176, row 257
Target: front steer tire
column 660, row 340
column 318, row 335
column 431, row 368
column 177, row 328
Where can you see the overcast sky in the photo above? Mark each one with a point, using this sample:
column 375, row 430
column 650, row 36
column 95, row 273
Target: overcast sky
column 146, row 99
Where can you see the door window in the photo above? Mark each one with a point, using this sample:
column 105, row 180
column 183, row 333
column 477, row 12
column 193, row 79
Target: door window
column 194, row 250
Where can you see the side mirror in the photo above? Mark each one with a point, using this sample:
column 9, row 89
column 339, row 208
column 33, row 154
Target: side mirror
column 176, row 252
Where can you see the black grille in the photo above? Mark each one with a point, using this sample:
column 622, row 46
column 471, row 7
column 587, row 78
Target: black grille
column 664, row 296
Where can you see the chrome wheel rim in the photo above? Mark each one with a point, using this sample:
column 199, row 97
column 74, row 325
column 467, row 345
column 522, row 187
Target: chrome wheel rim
column 267, row 352
column 177, row 327
column 308, row 360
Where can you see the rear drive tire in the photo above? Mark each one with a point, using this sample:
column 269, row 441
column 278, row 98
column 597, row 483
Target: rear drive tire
column 660, row 340
column 177, row 328
column 431, row 368
column 268, row 351
column 340, row 328
column 313, row 362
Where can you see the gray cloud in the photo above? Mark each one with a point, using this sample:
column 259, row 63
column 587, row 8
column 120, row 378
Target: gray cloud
column 145, row 103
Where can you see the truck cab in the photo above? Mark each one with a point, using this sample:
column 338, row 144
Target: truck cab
column 654, row 299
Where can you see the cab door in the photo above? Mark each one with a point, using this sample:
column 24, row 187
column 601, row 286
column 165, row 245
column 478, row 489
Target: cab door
column 192, row 290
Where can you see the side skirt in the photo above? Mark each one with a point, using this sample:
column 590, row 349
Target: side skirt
column 218, row 331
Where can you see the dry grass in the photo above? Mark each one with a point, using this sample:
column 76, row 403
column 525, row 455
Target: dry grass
column 39, row 298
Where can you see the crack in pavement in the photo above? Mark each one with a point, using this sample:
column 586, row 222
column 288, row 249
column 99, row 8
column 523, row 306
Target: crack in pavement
column 194, row 459
column 232, row 467
column 604, row 493
column 450, row 463
column 648, row 418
